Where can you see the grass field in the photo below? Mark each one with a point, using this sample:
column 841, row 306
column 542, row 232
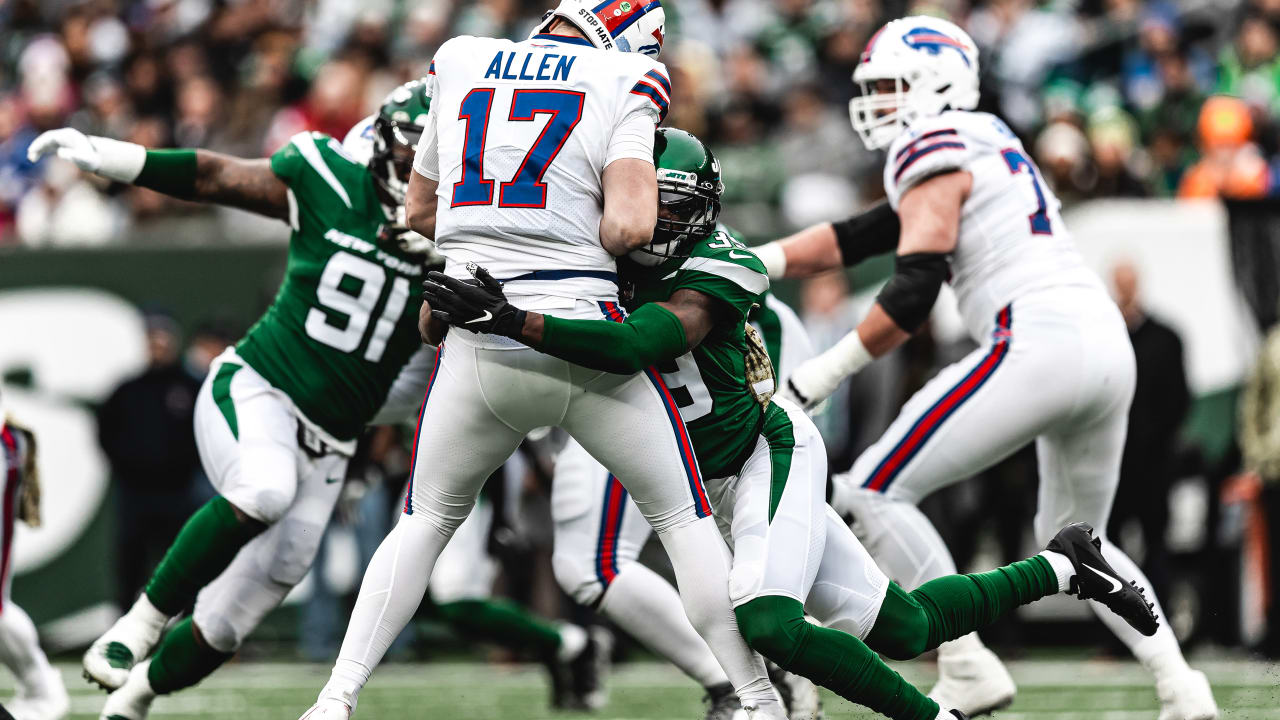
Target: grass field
column 1086, row 690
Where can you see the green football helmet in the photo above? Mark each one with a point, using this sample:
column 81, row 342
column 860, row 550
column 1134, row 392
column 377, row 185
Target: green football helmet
column 396, row 131
column 689, row 190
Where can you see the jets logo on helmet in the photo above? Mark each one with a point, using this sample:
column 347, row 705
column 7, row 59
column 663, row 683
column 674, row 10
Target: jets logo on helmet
column 913, row 68
column 625, row 25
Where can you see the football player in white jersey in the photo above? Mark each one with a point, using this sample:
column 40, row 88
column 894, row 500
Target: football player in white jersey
column 537, row 162
column 1054, row 363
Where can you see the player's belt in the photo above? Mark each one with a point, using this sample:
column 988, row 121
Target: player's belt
column 566, row 275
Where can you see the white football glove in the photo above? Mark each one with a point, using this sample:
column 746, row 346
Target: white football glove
column 816, row 378
column 109, row 158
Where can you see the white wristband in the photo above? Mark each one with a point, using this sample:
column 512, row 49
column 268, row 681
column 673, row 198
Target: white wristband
column 849, row 355
column 120, row 161
column 774, row 259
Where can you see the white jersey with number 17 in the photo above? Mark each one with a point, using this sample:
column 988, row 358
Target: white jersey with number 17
column 518, row 136
column 1011, row 238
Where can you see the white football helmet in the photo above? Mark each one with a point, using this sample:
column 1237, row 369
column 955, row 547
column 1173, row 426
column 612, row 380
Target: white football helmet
column 625, row 25
column 934, row 67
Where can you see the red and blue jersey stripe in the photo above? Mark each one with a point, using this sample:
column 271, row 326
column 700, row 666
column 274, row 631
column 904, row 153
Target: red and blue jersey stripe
column 933, row 418
column 655, row 86
column 925, row 144
column 413, row 459
column 611, row 514
column 702, row 505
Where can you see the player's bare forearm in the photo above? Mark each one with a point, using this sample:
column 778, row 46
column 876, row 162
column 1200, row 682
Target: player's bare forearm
column 238, row 182
column 810, row 251
column 420, row 204
column 879, row 333
column 630, row 205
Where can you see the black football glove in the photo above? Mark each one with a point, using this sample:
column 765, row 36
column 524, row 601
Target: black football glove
column 477, row 305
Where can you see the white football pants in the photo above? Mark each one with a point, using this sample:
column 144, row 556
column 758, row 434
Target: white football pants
column 1059, row 370
column 480, row 402
column 247, row 435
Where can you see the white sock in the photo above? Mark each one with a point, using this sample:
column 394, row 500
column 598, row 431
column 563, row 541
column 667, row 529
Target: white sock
column 146, row 614
column 1062, row 567
column 390, row 593
column 701, row 562
column 1160, row 653
column 20, row 650
column 573, row 640
column 645, row 605
column 962, row 645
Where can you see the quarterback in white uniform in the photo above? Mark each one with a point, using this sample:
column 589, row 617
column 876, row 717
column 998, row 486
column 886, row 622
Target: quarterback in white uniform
column 537, row 163
column 1054, row 363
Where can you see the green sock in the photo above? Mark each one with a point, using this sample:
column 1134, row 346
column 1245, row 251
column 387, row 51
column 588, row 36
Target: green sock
column 775, row 627
column 203, row 549
column 504, row 623
column 948, row 607
column 181, row 660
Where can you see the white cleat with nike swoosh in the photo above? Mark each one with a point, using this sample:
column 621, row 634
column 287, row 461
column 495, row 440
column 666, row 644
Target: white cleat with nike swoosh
column 1095, row 579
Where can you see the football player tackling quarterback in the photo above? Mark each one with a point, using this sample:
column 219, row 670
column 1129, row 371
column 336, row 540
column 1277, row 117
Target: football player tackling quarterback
column 690, row 293
column 1054, row 364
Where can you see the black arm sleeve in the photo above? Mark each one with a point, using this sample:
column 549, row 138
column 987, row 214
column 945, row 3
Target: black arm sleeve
column 909, row 295
column 871, row 232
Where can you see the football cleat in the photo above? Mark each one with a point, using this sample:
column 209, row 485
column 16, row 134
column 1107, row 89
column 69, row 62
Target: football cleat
column 723, row 703
column 1095, row 579
column 327, row 709
column 953, row 714
column 591, row 667
column 109, row 659
column 772, row 711
column 132, row 701
column 1186, row 696
column 975, row 682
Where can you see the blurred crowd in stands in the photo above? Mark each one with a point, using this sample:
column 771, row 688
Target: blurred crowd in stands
column 1114, row 97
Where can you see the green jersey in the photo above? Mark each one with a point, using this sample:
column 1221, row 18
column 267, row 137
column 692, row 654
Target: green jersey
column 709, row 383
column 345, row 319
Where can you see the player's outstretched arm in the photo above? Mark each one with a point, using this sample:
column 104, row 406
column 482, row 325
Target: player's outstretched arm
column 654, row 333
column 630, row 205
column 827, row 246
column 199, row 175
column 930, row 214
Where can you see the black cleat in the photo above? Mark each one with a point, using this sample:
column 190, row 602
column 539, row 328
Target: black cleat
column 1095, row 579
column 722, row 702
column 591, row 668
column 959, row 715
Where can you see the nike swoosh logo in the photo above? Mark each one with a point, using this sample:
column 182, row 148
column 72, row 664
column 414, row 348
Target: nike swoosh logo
column 330, row 481
column 740, row 256
column 1115, row 584
column 486, row 316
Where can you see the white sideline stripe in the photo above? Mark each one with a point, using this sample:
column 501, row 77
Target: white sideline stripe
column 306, row 145
column 745, row 278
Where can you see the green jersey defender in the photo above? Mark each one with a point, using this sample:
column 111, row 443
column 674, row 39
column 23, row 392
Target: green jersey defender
column 279, row 415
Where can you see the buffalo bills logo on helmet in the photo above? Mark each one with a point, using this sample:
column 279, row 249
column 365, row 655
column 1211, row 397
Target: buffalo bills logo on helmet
column 933, row 42
column 653, row 48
